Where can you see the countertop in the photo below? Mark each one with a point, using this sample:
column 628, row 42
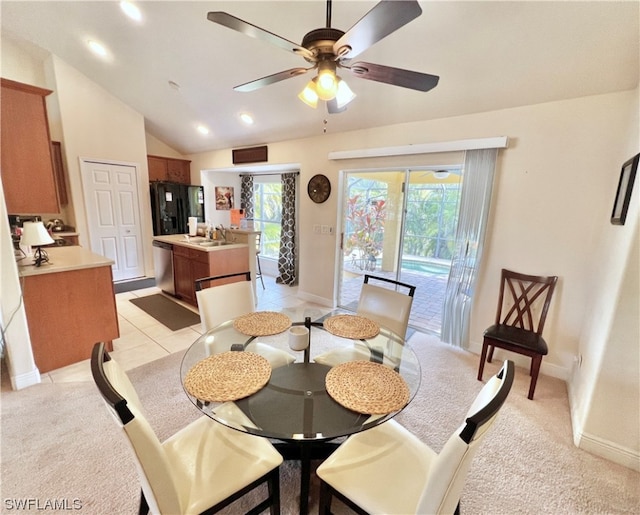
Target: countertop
column 63, row 259
column 183, row 241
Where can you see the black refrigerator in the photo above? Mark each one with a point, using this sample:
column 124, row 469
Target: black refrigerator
column 172, row 204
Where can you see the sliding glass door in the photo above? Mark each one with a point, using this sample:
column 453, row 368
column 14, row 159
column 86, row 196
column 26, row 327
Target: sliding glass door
column 400, row 224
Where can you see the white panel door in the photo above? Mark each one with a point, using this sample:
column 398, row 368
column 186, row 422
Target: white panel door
column 111, row 200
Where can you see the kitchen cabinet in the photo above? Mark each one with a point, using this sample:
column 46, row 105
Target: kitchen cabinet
column 190, row 264
column 58, row 171
column 169, row 169
column 27, row 166
column 69, row 304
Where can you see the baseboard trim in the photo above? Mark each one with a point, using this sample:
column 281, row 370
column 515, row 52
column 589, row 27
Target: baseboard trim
column 23, row 380
column 609, row 450
column 315, row 298
column 547, row 369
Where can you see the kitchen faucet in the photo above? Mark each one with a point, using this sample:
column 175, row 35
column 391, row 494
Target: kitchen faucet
column 223, row 232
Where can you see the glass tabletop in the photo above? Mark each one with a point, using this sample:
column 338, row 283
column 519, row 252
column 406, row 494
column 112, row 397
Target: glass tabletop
column 294, row 405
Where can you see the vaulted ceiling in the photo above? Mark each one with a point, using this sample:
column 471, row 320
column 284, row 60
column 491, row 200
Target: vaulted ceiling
column 178, row 69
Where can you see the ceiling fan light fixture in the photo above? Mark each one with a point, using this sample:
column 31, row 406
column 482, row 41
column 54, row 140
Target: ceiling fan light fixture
column 309, row 95
column 326, row 81
column 344, row 94
column 441, row 174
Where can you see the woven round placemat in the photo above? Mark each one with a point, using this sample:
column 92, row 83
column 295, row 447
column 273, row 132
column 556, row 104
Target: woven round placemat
column 351, row 326
column 366, row 387
column 227, row 376
column 262, row 323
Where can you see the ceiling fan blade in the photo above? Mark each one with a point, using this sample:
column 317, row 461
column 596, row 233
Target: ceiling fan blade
column 271, row 79
column 385, row 17
column 332, row 107
column 256, row 32
column 395, row 76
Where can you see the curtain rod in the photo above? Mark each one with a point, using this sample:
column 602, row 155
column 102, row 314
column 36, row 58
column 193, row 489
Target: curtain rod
column 270, row 173
column 423, row 148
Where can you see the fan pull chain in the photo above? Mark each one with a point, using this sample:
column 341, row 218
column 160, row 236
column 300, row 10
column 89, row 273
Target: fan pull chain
column 324, row 129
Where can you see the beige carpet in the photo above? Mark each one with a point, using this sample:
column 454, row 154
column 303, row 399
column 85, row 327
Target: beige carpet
column 58, row 442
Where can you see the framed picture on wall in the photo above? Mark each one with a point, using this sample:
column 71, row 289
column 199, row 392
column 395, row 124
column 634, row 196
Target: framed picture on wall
column 224, row 197
column 625, row 187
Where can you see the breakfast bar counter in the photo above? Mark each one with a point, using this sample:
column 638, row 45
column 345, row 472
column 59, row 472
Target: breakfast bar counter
column 63, row 259
column 70, row 305
column 196, row 257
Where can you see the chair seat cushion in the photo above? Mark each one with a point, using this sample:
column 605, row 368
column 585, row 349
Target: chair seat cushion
column 211, row 462
column 369, row 465
column 517, row 337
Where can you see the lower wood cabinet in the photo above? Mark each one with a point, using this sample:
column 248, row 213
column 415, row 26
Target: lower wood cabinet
column 67, row 313
column 191, row 264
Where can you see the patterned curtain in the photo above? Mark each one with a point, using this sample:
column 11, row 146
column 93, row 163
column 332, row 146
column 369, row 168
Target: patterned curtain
column 479, row 167
column 288, row 256
column 246, row 195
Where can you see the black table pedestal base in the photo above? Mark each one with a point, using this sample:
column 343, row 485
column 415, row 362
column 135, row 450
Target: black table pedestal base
column 306, row 452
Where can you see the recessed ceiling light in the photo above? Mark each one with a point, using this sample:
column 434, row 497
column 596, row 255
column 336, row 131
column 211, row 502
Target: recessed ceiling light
column 131, row 10
column 203, row 130
column 246, row 118
column 97, row 48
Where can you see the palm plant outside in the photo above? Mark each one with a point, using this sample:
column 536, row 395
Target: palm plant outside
column 429, row 225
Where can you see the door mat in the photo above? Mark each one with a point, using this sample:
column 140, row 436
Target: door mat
column 137, row 284
column 166, row 311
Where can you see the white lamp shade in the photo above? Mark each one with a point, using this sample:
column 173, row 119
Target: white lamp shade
column 344, row 94
column 34, row 234
column 308, row 95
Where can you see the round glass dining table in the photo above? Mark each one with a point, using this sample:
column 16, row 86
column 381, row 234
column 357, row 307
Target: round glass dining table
column 294, row 406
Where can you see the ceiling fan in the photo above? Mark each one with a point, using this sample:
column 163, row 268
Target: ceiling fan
column 329, row 49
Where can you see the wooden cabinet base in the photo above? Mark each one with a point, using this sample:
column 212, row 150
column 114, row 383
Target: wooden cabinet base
column 191, row 264
column 67, row 313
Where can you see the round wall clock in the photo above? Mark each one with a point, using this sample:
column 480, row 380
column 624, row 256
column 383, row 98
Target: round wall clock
column 319, row 188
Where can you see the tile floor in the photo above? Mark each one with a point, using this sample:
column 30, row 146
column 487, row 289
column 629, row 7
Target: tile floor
column 144, row 339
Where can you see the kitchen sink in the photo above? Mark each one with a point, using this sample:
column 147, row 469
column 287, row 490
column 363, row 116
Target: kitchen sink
column 213, row 243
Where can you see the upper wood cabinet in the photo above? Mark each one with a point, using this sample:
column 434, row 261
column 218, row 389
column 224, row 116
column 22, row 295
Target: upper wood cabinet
column 27, row 165
column 58, row 170
column 169, row 169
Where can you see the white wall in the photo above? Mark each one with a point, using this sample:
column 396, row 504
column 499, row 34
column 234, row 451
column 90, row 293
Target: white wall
column 155, row 147
column 605, row 388
column 211, row 179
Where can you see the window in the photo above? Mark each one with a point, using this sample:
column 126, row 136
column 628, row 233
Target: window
column 267, row 213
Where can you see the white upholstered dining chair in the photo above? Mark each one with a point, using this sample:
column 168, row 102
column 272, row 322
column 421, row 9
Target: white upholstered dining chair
column 359, row 472
column 202, row 468
column 390, row 308
column 219, row 303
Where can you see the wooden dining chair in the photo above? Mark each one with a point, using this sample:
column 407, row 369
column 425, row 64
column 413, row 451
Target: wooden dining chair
column 360, row 471
column 522, row 311
column 202, row 468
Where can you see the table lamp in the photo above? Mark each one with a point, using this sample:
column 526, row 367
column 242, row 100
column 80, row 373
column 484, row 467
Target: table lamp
column 34, row 234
